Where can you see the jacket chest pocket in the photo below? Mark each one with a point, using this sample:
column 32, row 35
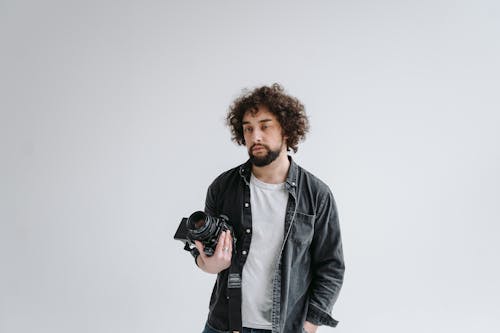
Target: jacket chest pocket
column 302, row 229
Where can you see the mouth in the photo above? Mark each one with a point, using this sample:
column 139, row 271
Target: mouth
column 257, row 148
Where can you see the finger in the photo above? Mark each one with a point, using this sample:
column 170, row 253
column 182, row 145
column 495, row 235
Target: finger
column 230, row 241
column 225, row 248
column 220, row 243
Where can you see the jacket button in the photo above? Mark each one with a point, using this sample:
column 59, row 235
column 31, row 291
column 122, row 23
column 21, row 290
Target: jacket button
column 244, row 252
column 248, row 231
column 247, row 204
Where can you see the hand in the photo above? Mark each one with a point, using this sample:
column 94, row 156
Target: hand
column 310, row 328
column 221, row 259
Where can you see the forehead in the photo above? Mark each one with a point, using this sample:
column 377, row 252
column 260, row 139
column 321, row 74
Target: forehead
column 261, row 114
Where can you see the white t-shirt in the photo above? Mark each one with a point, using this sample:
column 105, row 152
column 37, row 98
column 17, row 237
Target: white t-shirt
column 268, row 204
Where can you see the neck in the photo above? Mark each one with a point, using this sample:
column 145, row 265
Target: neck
column 275, row 172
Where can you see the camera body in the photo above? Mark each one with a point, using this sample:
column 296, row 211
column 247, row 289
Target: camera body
column 204, row 228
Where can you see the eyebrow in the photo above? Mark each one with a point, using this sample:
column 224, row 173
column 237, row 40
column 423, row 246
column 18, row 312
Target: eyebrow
column 260, row 121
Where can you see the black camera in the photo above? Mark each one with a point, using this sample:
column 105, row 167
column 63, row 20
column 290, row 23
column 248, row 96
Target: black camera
column 204, row 228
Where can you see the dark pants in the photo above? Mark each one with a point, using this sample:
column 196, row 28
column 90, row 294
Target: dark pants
column 209, row 329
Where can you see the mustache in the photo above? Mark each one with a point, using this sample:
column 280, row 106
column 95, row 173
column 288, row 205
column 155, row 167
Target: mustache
column 259, row 145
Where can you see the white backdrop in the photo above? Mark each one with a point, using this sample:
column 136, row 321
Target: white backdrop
column 112, row 127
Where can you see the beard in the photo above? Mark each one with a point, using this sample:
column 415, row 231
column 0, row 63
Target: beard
column 266, row 159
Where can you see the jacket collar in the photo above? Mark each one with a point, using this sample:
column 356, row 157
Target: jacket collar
column 291, row 179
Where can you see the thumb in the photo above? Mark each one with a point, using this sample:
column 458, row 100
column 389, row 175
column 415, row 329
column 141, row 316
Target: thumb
column 200, row 248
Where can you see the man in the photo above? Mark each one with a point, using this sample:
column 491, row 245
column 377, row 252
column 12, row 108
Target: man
column 286, row 269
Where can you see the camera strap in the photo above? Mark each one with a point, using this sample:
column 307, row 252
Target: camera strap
column 234, row 300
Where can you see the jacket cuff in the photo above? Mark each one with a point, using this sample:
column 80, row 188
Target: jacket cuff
column 319, row 317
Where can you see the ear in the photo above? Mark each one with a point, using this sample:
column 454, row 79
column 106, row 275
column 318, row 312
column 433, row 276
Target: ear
column 285, row 139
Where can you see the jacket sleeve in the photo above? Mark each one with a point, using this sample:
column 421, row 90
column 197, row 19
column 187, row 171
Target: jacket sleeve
column 327, row 263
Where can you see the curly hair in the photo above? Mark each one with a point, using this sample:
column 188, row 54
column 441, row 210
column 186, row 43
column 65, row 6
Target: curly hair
column 287, row 109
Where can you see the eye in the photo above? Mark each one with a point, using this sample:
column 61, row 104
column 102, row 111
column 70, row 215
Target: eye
column 247, row 129
column 264, row 127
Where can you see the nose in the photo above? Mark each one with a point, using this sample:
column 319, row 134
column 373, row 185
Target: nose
column 256, row 135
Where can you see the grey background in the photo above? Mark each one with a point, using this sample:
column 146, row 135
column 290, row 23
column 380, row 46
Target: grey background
column 112, row 127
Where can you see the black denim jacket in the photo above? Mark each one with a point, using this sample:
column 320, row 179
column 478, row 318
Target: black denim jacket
column 310, row 270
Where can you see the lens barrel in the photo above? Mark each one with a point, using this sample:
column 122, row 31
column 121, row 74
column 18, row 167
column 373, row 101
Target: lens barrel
column 202, row 226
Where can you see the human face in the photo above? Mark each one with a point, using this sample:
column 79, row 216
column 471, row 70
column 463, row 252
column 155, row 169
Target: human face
column 263, row 136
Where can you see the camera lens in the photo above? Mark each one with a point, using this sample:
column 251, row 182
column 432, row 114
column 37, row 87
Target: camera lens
column 197, row 220
column 206, row 229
